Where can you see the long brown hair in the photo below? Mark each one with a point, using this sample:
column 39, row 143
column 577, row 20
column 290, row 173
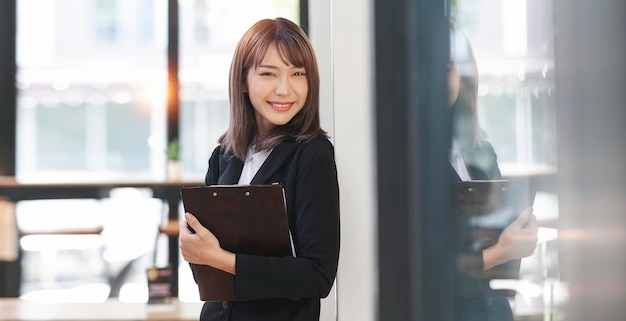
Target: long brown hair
column 464, row 111
column 294, row 47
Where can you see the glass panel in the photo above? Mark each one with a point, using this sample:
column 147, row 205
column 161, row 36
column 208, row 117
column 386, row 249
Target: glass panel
column 210, row 30
column 91, row 79
column 513, row 46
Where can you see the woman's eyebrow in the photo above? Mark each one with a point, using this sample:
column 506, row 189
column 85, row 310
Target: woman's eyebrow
column 276, row 67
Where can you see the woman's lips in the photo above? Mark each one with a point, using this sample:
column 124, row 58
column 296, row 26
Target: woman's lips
column 280, row 106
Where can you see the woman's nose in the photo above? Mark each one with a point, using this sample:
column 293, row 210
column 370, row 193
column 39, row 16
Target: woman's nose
column 282, row 86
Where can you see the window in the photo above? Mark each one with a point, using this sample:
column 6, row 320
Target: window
column 92, row 86
column 91, row 96
column 106, row 21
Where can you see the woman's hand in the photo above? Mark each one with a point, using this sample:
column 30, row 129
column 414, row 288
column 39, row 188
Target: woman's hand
column 203, row 247
column 518, row 240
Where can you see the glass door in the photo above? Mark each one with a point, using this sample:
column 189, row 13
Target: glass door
column 513, row 64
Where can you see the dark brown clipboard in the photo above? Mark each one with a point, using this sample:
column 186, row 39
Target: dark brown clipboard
column 489, row 206
column 246, row 219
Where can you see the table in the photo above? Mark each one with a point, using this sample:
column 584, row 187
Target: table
column 111, row 310
column 167, row 190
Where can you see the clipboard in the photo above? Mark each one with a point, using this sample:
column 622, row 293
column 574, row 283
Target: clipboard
column 246, row 219
column 486, row 208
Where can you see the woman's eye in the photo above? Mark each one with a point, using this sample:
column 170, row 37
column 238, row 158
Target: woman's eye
column 268, row 74
column 299, row 73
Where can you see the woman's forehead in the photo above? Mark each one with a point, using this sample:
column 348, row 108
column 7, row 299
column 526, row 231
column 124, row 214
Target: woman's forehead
column 275, row 51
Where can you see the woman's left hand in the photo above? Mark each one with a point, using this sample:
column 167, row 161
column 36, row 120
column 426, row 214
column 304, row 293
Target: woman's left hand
column 203, row 247
column 518, row 240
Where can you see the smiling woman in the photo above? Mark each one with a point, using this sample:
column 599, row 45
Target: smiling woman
column 274, row 138
column 277, row 91
column 280, row 50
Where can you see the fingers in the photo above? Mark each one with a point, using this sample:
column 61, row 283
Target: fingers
column 524, row 217
column 182, row 227
column 193, row 222
column 187, row 240
column 190, row 225
column 532, row 223
column 528, row 233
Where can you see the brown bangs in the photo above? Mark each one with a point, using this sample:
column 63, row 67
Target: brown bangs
column 290, row 49
column 294, row 48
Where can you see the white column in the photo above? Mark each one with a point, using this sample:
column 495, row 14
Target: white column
column 342, row 33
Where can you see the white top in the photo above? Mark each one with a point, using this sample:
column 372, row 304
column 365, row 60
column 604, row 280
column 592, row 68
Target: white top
column 252, row 164
column 457, row 162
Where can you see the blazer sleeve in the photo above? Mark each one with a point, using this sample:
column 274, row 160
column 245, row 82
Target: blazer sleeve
column 482, row 164
column 210, row 178
column 315, row 204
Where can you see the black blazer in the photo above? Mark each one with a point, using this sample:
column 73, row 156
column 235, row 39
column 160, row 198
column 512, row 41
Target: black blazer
column 481, row 164
column 287, row 288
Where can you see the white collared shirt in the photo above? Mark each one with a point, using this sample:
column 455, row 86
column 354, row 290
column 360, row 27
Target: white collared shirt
column 457, row 162
column 254, row 161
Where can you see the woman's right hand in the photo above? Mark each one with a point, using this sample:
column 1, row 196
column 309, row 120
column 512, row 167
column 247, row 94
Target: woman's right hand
column 518, row 240
column 202, row 247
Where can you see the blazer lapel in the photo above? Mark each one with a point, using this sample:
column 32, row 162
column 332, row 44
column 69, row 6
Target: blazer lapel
column 230, row 170
column 454, row 176
column 279, row 155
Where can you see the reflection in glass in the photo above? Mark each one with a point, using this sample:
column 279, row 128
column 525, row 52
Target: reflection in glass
column 514, row 49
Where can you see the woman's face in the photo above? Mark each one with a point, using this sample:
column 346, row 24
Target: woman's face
column 277, row 91
column 454, row 83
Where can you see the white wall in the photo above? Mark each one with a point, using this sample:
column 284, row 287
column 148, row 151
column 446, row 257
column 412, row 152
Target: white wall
column 342, row 34
column 320, row 35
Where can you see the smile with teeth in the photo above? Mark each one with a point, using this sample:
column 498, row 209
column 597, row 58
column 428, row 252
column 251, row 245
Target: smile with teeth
column 280, row 106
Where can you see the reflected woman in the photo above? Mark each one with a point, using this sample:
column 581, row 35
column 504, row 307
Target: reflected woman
column 473, row 158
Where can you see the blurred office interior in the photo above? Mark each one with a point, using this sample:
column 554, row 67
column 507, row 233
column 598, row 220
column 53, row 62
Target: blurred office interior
column 96, row 90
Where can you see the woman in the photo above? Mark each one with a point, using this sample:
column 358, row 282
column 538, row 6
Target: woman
column 274, row 136
column 473, row 158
